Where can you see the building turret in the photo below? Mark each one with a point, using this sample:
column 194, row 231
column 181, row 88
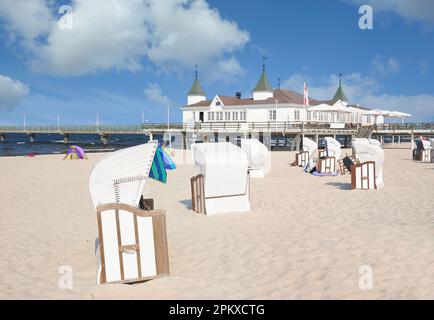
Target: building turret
column 340, row 95
column 263, row 90
column 196, row 93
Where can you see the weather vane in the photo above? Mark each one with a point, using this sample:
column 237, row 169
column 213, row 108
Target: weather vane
column 263, row 62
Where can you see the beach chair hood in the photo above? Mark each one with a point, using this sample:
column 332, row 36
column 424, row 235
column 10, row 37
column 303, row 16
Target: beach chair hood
column 257, row 153
column 224, row 167
column 425, row 144
column 121, row 176
column 374, row 142
column 333, row 148
column 310, row 146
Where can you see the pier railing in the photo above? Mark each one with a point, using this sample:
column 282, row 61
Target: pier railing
column 272, row 126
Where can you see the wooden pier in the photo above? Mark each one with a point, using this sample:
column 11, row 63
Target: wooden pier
column 216, row 129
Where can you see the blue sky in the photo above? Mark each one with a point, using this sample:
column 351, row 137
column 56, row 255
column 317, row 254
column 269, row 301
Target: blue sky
column 122, row 58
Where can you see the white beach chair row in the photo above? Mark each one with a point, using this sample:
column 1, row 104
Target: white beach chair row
column 367, row 161
column 132, row 242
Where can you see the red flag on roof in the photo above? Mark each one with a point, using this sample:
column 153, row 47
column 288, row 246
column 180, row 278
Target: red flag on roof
column 305, row 95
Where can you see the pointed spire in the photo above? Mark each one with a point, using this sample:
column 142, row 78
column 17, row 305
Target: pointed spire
column 340, row 95
column 196, row 88
column 263, row 84
column 278, row 83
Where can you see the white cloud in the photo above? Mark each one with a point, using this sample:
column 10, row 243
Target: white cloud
column 410, row 10
column 365, row 91
column 385, row 67
column 355, row 85
column 26, row 20
column 154, row 93
column 103, row 37
column 11, row 92
column 173, row 34
column 226, row 70
column 421, row 107
column 189, row 32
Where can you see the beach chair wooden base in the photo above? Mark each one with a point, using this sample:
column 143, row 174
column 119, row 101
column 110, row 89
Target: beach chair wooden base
column 422, row 155
column 132, row 244
column 425, row 156
column 363, row 176
column 302, row 158
column 198, row 194
column 326, row 165
column 217, row 204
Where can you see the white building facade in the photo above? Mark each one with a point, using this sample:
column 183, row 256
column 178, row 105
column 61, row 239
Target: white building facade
column 270, row 105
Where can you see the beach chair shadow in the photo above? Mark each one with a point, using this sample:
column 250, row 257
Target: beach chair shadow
column 187, row 204
column 340, row 185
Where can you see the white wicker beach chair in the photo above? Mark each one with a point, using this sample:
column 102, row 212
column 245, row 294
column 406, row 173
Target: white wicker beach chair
column 258, row 157
column 432, row 148
column 311, row 147
column 132, row 242
column 222, row 181
column 423, row 150
column 328, row 164
column 368, row 172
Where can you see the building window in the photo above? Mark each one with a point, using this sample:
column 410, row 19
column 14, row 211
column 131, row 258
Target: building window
column 227, row 116
column 296, row 115
column 272, row 115
column 235, row 115
column 210, row 116
column 244, row 115
column 217, row 103
column 219, row 116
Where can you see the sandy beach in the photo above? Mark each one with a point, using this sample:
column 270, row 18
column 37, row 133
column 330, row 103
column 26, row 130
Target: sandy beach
column 305, row 238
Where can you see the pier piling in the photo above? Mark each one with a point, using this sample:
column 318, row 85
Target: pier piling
column 2, row 137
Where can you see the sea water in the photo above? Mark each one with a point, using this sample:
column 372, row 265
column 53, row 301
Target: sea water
column 18, row 144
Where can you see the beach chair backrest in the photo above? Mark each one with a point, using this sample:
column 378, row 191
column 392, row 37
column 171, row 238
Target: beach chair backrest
column 121, row 176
